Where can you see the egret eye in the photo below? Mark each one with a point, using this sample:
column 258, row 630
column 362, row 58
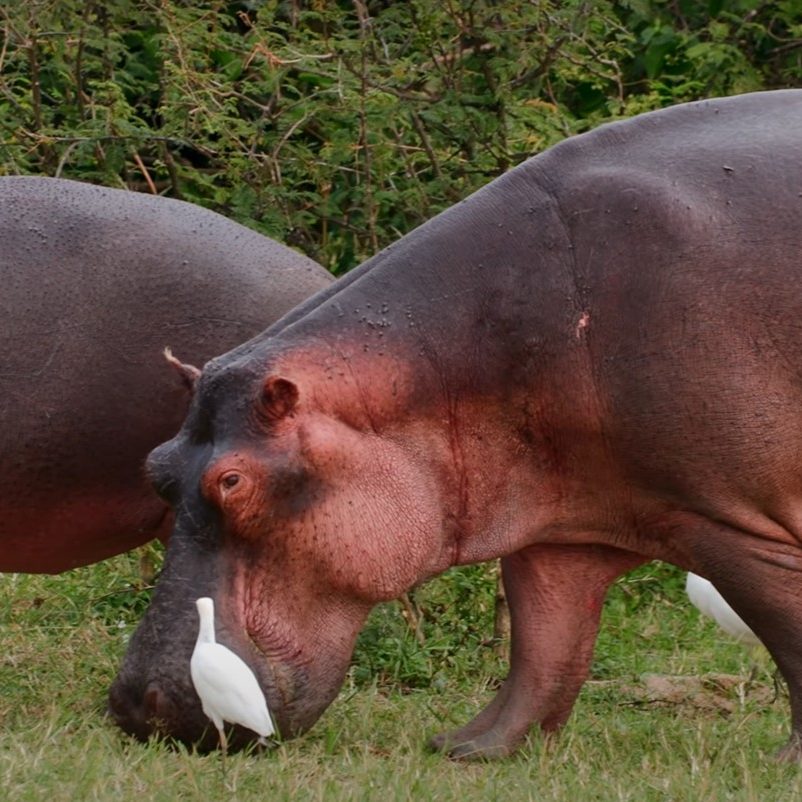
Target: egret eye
column 230, row 480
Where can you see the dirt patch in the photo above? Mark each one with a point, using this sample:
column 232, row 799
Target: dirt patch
column 721, row 693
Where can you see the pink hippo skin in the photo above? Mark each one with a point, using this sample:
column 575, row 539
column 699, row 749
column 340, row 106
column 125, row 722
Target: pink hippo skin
column 96, row 282
column 594, row 361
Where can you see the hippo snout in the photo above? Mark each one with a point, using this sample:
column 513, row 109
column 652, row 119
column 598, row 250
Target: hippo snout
column 155, row 710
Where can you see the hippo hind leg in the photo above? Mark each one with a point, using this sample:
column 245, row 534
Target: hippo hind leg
column 762, row 581
column 555, row 594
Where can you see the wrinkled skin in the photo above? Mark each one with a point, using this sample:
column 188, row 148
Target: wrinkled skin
column 96, row 282
column 592, row 362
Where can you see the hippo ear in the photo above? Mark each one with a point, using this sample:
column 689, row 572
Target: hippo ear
column 189, row 373
column 279, row 397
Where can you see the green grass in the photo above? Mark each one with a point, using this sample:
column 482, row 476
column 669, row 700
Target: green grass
column 61, row 639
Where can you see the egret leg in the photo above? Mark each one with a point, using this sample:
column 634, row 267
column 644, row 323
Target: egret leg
column 223, row 749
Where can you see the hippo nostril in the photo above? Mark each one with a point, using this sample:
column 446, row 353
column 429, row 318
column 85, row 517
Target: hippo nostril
column 158, row 709
column 154, row 701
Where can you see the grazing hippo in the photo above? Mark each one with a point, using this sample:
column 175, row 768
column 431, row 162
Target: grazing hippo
column 96, row 282
column 594, row 361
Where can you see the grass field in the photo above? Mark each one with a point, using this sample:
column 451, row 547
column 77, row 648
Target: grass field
column 664, row 716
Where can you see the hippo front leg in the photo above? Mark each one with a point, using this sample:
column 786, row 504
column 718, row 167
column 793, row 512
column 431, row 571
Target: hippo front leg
column 555, row 594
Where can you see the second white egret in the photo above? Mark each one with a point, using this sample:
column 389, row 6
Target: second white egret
column 706, row 598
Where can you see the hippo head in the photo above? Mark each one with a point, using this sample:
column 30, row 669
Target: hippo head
column 297, row 509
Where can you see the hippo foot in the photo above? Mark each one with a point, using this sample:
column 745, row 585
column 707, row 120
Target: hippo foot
column 488, row 745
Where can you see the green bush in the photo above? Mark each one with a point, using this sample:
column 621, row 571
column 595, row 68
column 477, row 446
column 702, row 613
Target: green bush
column 339, row 126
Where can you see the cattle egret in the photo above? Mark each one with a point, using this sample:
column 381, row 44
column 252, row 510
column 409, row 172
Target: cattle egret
column 710, row 602
column 227, row 688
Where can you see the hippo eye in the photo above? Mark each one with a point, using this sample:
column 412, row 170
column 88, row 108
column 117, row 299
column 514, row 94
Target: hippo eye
column 230, row 480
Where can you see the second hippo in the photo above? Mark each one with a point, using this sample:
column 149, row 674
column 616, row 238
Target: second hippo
column 96, row 283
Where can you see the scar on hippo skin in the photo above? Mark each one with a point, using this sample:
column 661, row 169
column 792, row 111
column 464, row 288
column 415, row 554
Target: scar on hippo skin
column 582, row 324
column 189, row 373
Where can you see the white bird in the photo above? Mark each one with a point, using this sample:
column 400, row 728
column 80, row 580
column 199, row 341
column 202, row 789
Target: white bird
column 227, row 688
column 710, row 602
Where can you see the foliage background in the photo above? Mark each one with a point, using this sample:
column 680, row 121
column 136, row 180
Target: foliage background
column 339, row 126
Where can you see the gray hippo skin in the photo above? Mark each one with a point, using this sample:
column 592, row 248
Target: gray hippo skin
column 96, row 282
column 594, row 361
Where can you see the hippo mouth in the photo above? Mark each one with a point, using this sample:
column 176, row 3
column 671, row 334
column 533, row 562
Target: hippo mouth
column 280, row 681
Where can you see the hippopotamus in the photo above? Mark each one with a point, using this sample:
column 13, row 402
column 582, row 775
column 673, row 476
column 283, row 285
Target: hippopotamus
column 593, row 361
column 96, row 283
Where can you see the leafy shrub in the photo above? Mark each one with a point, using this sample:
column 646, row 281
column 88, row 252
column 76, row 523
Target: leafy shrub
column 339, row 126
